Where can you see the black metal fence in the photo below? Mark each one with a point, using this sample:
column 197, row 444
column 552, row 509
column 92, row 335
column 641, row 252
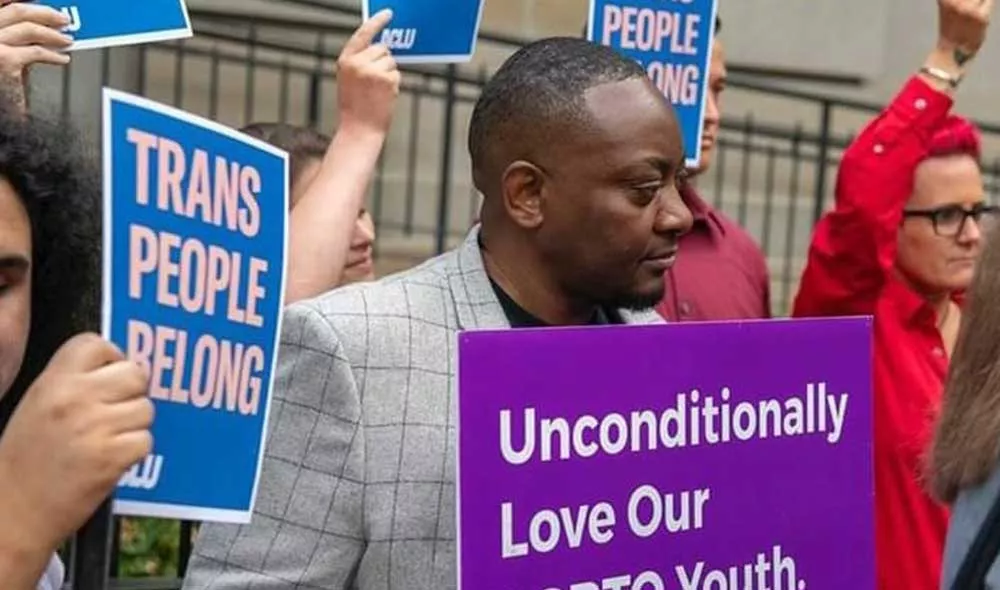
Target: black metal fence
column 772, row 176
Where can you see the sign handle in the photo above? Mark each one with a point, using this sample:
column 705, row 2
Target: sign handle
column 92, row 556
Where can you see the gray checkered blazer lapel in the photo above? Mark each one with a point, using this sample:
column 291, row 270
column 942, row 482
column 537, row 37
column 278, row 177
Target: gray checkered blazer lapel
column 476, row 304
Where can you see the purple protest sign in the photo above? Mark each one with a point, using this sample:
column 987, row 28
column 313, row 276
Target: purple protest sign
column 728, row 456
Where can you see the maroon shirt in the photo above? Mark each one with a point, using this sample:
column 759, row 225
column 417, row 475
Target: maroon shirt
column 720, row 273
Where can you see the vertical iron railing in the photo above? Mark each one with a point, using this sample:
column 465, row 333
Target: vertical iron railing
column 825, row 122
column 793, row 189
column 91, row 560
column 448, row 132
column 316, row 87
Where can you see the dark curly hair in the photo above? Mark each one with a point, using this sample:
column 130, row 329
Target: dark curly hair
column 58, row 183
column 533, row 94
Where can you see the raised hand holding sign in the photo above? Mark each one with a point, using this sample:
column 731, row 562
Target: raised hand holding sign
column 110, row 23
column 30, row 34
column 369, row 79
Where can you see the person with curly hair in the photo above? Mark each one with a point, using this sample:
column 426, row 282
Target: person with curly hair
column 74, row 414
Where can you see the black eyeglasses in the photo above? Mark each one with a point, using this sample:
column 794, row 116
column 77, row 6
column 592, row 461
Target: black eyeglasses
column 949, row 221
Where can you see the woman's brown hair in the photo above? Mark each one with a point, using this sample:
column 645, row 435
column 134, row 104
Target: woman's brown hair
column 302, row 143
column 966, row 444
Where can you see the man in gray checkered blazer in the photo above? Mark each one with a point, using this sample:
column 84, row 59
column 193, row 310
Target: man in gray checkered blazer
column 578, row 156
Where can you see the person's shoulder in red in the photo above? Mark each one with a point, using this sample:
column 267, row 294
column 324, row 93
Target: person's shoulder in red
column 721, row 273
column 745, row 247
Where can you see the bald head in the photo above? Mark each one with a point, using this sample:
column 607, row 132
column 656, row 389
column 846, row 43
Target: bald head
column 536, row 97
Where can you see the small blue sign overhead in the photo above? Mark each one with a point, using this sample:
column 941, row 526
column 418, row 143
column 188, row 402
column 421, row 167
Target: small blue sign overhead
column 110, row 23
column 429, row 31
column 672, row 39
column 195, row 230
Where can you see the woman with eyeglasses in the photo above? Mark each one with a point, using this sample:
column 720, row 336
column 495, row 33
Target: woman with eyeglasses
column 901, row 244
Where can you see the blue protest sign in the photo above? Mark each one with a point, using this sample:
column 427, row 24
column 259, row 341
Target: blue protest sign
column 195, row 226
column 429, row 31
column 672, row 40
column 110, row 23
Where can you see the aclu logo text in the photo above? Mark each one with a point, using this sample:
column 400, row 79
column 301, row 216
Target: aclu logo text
column 73, row 14
column 144, row 475
column 399, row 38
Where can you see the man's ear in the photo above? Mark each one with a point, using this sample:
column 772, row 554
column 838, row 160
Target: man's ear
column 521, row 186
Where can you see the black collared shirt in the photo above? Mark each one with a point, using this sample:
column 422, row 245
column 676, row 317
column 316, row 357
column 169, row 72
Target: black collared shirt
column 522, row 318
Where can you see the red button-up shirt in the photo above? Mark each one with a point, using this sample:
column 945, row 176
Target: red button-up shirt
column 850, row 271
column 720, row 273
